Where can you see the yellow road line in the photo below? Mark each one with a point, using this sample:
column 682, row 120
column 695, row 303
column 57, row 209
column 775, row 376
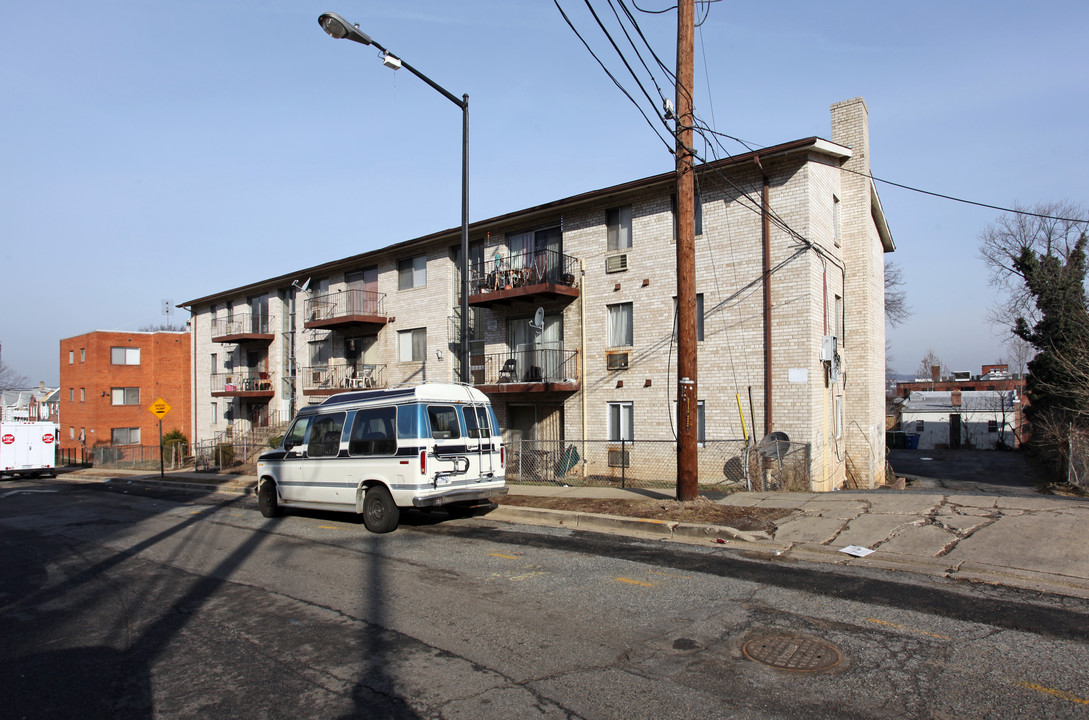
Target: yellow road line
column 1056, row 693
column 505, row 557
column 328, row 527
column 635, row 582
column 901, row 627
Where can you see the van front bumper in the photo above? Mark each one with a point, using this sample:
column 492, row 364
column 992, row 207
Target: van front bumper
column 458, row 496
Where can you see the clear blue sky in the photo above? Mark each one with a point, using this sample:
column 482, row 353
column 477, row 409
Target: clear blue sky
column 154, row 150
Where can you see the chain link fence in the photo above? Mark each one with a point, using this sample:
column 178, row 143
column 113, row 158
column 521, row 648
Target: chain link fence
column 726, row 464
column 138, row 457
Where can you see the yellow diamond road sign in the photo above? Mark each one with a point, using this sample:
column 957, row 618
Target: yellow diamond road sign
column 159, row 408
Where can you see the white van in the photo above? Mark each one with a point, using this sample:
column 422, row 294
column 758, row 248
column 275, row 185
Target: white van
column 376, row 451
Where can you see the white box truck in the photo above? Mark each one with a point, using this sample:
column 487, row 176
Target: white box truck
column 28, row 448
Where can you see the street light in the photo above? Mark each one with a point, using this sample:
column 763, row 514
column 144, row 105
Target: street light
column 341, row 29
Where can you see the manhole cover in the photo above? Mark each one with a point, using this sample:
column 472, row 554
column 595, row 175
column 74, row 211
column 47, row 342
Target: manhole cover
column 792, row 652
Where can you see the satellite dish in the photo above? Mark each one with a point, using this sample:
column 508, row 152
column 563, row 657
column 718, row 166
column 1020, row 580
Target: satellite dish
column 774, row 445
column 538, row 320
column 301, row 288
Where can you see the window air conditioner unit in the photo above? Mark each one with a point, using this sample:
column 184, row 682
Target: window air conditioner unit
column 616, row 360
column 616, row 263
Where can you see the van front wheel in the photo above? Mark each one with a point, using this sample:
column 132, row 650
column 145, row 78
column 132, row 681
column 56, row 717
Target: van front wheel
column 267, row 500
column 380, row 513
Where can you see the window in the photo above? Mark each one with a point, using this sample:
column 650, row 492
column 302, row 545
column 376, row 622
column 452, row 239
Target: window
column 412, row 345
column 83, row 354
column 620, row 325
column 835, row 220
column 295, row 436
column 215, row 363
column 444, row 422
column 992, row 426
column 83, row 394
column 125, row 436
column 701, row 421
column 411, row 272
column 621, row 415
column 71, row 433
column 71, row 356
column 325, row 436
column 125, row 396
column 374, row 432
column 71, row 394
column 124, row 356
column 698, row 218
column 215, row 414
column 919, row 426
column 618, row 221
column 477, row 423
column 699, row 317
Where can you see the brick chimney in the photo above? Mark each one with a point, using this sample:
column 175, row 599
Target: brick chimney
column 936, row 373
column 954, row 398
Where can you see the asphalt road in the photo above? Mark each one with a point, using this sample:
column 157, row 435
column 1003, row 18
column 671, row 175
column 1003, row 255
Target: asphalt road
column 987, row 471
column 125, row 603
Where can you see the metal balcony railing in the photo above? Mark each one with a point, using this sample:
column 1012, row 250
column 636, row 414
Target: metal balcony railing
column 337, row 377
column 524, row 270
column 240, row 325
column 242, row 381
column 346, row 303
column 526, row 365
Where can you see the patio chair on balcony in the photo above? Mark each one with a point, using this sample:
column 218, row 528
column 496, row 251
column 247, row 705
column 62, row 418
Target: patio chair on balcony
column 509, row 371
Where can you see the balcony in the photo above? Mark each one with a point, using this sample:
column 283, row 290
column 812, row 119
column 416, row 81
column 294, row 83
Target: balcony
column 347, row 308
column 526, row 277
column 245, row 383
column 529, row 370
column 334, row 378
column 241, row 328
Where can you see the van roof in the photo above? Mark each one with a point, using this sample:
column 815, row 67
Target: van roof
column 428, row 392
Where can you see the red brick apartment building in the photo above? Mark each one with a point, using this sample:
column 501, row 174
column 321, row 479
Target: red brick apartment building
column 108, row 380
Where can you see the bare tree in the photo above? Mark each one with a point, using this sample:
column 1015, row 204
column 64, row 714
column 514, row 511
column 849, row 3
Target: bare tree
column 11, row 380
column 896, row 308
column 930, row 360
column 1020, row 352
column 1002, row 242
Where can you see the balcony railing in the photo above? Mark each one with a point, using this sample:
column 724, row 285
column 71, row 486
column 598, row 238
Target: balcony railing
column 338, row 377
column 347, row 307
column 241, row 327
column 243, row 383
column 542, row 273
column 531, row 369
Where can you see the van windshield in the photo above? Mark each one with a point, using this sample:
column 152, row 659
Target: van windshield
column 297, row 433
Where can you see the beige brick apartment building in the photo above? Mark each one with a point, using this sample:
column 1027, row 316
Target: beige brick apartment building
column 789, row 238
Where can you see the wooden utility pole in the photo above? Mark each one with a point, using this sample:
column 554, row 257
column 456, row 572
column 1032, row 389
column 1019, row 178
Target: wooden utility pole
column 687, row 403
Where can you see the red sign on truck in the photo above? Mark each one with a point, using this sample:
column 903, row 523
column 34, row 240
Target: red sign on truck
column 47, row 438
column 8, row 439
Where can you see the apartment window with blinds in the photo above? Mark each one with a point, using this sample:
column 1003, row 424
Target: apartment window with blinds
column 411, row 272
column 125, row 396
column 125, row 436
column 124, row 356
column 618, row 221
column 620, row 331
column 621, row 418
column 412, row 345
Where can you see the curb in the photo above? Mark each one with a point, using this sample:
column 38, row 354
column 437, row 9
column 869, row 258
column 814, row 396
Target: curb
column 230, row 488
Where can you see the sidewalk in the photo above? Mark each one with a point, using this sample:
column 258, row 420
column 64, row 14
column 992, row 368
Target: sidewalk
column 1036, row 542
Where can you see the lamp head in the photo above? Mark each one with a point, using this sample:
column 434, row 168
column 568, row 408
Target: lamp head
column 341, row 29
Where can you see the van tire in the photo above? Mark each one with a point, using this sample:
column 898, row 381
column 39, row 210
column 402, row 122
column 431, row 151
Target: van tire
column 267, row 501
column 380, row 513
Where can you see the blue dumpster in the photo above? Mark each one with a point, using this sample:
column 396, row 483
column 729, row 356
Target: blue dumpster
column 912, row 441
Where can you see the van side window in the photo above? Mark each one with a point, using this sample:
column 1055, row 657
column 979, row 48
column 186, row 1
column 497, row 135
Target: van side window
column 476, row 422
column 444, row 422
column 410, row 422
column 374, row 432
column 325, row 436
column 297, row 434
column 495, row 422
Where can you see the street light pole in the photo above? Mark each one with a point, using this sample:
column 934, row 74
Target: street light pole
column 341, row 29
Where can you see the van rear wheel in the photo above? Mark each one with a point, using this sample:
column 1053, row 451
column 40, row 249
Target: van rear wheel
column 380, row 513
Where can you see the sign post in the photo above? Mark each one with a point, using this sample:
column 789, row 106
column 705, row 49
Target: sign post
column 159, row 408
